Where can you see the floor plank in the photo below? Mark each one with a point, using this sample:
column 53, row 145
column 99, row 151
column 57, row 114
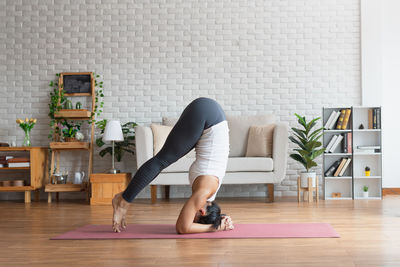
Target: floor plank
column 369, row 229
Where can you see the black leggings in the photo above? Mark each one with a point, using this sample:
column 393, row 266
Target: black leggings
column 200, row 114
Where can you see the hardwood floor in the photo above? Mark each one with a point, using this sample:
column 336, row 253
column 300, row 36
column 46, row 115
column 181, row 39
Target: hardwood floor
column 369, row 229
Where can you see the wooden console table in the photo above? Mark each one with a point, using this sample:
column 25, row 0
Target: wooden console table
column 38, row 170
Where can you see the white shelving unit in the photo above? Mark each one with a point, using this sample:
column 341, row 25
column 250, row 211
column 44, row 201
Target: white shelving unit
column 351, row 184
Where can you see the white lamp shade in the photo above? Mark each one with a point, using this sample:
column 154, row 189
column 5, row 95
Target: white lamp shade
column 113, row 132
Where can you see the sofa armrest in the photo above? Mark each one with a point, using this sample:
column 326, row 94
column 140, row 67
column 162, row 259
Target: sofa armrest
column 279, row 151
column 144, row 144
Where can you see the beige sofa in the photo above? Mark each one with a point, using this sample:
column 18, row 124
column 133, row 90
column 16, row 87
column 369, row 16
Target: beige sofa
column 240, row 169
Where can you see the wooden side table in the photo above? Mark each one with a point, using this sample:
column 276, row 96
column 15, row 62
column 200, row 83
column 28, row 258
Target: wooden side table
column 106, row 185
column 310, row 190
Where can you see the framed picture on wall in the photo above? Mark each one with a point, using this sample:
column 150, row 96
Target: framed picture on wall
column 77, row 83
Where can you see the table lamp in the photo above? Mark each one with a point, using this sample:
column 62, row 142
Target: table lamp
column 113, row 132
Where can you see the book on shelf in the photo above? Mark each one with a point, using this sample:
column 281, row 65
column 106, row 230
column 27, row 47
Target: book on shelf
column 332, row 168
column 338, row 169
column 337, row 142
column 378, row 118
column 346, row 165
column 329, row 121
column 344, row 144
column 331, row 142
column 346, row 119
column 341, row 119
column 333, row 123
column 349, row 142
column 9, row 157
column 19, row 159
column 18, row 164
column 370, row 119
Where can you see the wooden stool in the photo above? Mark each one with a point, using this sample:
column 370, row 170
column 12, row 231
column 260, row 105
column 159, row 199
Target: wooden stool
column 308, row 189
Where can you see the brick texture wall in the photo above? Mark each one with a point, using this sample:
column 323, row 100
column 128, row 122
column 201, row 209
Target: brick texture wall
column 155, row 56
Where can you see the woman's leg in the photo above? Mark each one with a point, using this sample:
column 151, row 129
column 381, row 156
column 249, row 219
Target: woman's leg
column 182, row 138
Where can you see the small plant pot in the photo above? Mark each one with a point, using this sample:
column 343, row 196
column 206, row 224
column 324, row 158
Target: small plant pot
column 304, row 178
column 365, row 194
column 367, row 173
column 18, row 183
column 70, row 139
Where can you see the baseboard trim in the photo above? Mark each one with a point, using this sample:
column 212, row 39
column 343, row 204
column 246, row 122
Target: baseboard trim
column 390, row 191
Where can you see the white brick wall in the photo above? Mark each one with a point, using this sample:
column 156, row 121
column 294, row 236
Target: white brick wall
column 156, row 56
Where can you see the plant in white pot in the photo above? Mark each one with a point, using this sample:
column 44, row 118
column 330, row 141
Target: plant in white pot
column 365, row 191
column 309, row 147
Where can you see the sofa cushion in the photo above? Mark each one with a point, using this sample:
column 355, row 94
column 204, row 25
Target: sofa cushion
column 236, row 164
column 259, row 143
column 239, row 131
column 160, row 134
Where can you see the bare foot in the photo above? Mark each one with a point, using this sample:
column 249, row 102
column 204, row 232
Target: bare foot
column 120, row 207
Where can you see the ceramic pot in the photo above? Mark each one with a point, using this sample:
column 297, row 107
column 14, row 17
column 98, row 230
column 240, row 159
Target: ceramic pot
column 6, row 183
column 367, row 173
column 68, row 104
column 78, row 105
column 304, row 178
column 365, row 194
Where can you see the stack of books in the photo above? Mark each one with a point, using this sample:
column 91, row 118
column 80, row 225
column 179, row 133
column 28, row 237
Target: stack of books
column 18, row 162
column 3, row 161
column 374, row 118
column 338, row 167
column 368, row 149
column 338, row 120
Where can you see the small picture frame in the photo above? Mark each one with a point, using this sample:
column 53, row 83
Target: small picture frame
column 77, row 83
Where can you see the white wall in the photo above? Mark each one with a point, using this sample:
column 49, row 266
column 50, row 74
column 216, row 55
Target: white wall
column 262, row 56
column 380, row 76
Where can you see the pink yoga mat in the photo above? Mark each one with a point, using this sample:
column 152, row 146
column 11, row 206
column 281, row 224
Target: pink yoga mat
column 160, row 231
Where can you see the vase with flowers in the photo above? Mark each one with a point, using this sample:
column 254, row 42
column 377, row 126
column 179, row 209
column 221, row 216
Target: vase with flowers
column 27, row 126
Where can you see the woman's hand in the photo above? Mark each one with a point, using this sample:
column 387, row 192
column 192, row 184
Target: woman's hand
column 226, row 224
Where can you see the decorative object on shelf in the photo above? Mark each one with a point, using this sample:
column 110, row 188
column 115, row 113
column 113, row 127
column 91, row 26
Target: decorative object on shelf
column 79, row 177
column 68, row 104
column 18, row 183
column 27, row 126
column 336, row 194
column 367, row 171
column 309, row 147
column 361, row 127
column 79, row 136
column 69, row 130
column 78, row 105
column 127, row 145
column 365, row 191
column 4, row 145
column 113, row 133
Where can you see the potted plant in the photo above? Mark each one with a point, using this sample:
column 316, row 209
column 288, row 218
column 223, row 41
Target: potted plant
column 367, row 171
column 309, row 147
column 69, row 130
column 365, row 191
column 120, row 148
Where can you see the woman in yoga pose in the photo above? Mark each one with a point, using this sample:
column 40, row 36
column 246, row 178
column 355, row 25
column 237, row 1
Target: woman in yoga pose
column 202, row 126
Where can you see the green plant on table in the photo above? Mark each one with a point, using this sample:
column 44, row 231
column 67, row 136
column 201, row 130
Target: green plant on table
column 307, row 140
column 120, row 148
column 365, row 188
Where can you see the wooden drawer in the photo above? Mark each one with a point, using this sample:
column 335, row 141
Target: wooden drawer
column 105, row 186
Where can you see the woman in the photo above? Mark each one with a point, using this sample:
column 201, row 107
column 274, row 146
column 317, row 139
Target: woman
column 203, row 126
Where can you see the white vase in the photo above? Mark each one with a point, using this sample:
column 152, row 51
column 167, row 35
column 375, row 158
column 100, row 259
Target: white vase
column 365, row 194
column 304, row 178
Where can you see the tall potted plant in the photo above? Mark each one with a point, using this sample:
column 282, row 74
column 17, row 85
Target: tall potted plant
column 308, row 147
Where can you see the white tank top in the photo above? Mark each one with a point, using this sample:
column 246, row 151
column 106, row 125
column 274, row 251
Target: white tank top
column 212, row 151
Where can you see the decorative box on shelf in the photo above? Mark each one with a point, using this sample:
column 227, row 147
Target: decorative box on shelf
column 106, row 185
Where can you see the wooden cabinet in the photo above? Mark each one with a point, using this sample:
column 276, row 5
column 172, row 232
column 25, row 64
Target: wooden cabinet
column 106, row 185
column 38, row 173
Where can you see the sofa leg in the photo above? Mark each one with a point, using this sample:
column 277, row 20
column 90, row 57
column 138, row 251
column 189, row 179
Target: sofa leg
column 153, row 189
column 166, row 190
column 270, row 188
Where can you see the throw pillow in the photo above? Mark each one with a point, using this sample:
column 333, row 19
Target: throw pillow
column 160, row 134
column 259, row 142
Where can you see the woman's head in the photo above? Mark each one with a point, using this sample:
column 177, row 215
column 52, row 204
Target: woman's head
column 210, row 214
